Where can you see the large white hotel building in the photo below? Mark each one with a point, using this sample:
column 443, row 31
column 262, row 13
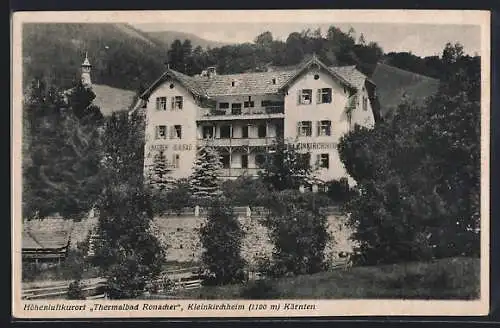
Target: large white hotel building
column 241, row 115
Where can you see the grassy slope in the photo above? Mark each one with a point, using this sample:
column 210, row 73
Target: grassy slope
column 392, row 83
column 454, row 278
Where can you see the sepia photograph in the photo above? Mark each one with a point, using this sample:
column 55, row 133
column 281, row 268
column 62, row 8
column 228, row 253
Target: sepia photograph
column 261, row 163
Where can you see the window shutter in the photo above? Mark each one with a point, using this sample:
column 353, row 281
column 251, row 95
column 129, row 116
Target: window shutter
column 172, row 103
column 157, row 103
column 299, row 94
column 157, row 132
column 318, row 128
column 298, row 128
column 318, row 159
column 172, row 132
column 318, row 96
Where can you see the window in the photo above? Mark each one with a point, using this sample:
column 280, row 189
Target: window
column 177, row 102
column 323, row 161
column 365, row 103
column 248, row 104
column 161, row 103
column 324, row 128
column 304, row 128
column 225, row 131
column 161, row 132
column 324, row 96
column 264, row 103
column 225, row 161
column 244, row 131
column 176, row 132
column 176, row 160
column 261, row 130
column 208, row 132
column 144, row 104
column 305, row 159
column 224, row 105
column 244, row 161
column 305, row 97
column 236, row 109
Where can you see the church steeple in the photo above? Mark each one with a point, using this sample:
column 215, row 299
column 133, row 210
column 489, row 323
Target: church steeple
column 86, row 68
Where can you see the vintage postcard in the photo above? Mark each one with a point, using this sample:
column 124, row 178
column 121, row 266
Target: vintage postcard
column 181, row 164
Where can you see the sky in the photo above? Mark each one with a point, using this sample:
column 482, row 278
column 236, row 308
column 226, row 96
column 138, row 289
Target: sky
column 420, row 39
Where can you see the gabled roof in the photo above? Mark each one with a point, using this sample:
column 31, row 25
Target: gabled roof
column 189, row 82
column 260, row 83
column 315, row 61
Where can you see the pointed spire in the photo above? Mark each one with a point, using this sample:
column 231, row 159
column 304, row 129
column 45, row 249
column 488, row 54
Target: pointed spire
column 86, row 68
column 86, row 61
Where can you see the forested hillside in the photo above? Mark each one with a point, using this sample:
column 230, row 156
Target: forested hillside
column 121, row 57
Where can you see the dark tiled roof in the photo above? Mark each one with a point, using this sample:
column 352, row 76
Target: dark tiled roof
column 351, row 74
column 245, row 83
column 255, row 83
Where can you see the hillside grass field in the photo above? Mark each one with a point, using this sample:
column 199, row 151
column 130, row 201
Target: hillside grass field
column 393, row 84
column 451, row 278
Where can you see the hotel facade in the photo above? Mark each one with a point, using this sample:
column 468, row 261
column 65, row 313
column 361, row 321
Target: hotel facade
column 310, row 106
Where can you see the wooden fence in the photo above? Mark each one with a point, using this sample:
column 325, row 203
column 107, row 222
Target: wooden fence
column 91, row 288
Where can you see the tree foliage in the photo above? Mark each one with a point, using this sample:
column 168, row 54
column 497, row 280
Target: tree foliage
column 161, row 180
column 221, row 237
column 285, row 168
column 298, row 230
column 205, row 180
column 127, row 250
column 61, row 151
column 418, row 177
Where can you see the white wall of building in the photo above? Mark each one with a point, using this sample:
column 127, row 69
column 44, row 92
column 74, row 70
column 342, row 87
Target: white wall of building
column 363, row 115
column 334, row 112
column 186, row 118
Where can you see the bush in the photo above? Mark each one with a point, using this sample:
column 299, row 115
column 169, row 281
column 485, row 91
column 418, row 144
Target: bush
column 260, row 289
column 75, row 291
column 298, row 231
column 338, row 191
column 244, row 191
column 172, row 200
column 221, row 237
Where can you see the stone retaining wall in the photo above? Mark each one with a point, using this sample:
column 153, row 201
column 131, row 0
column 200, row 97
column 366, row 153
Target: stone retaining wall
column 181, row 235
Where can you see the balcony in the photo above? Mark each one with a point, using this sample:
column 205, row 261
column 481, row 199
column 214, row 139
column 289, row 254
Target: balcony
column 244, row 113
column 236, row 172
column 238, row 142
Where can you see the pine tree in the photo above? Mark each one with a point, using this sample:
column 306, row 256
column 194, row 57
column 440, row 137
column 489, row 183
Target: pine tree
column 161, row 180
column 205, row 181
column 221, row 237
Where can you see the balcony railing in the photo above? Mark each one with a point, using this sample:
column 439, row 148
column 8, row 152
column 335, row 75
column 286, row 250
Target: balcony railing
column 245, row 113
column 236, row 172
column 237, row 142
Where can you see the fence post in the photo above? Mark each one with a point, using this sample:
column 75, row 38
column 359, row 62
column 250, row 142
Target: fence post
column 249, row 212
column 197, row 211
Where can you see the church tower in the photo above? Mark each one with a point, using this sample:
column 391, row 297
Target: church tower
column 86, row 67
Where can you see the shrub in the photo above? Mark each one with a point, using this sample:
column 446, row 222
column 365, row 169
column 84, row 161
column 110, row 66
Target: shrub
column 298, row 230
column 221, row 237
column 172, row 200
column 75, row 291
column 244, row 191
column 338, row 191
